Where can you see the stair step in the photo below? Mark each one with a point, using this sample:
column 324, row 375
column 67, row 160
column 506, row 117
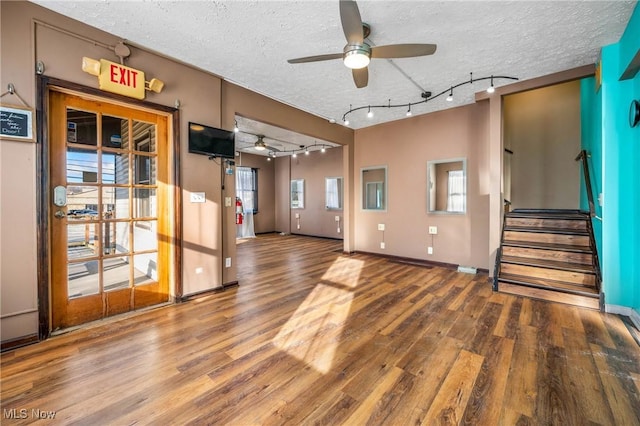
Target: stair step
column 547, row 230
column 552, row 223
column 550, row 295
column 551, row 214
column 548, row 246
column 547, row 263
column 547, row 237
column 580, row 278
column 554, row 285
column 546, row 254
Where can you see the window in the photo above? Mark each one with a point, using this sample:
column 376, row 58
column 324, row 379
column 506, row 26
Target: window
column 333, row 189
column 455, row 192
column 247, row 188
column 297, row 194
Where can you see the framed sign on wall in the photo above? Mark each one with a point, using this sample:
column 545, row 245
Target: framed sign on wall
column 16, row 123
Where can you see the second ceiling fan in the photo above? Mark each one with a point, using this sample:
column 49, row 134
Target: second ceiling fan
column 357, row 53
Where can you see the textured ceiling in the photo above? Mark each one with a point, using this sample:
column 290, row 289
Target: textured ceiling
column 249, row 42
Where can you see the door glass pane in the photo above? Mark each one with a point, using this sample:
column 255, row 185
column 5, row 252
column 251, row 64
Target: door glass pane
column 83, row 278
column 115, row 132
column 144, row 170
column 116, row 237
column 82, row 241
column 82, row 166
column 116, row 273
column 145, row 268
column 144, row 201
column 145, row 235
column 115, row 203
column 82, row 127
column 115, row 168
column 144, row 136
column 82, row 203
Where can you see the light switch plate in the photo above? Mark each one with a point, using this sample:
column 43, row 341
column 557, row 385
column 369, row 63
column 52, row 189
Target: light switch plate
column 381, row 227
column 227, row 262
column 433, row 230
column 227, row 201
column 197, row 197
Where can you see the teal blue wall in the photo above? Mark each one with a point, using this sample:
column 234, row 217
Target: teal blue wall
column 621, row 173
column 591, row 135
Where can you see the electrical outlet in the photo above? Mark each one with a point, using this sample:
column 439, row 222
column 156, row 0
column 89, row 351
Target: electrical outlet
column 429, row 250
column 381, row 227
column 298, row 226
column 338, row 230
column 227, row 201
column 197, row 197
column 382, row 245
column 433, row 230
column 199, row 270
column 337, row 219
column 227, row 262
column 297, row 215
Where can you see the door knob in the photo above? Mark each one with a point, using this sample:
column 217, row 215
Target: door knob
column 59, row 214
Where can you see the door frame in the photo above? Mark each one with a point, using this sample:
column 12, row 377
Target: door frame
column 44, row 85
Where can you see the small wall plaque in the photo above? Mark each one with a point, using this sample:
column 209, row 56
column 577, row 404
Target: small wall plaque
column 16, row 123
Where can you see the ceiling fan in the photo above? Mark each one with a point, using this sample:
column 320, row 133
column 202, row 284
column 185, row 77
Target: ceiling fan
column 357, row 53
column 261, row 145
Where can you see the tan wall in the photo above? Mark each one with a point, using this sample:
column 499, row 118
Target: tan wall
column 265, row 219
column 405, row 147
column 542, row 128
column 283, row 181
column 30, row 33
column 315, row 219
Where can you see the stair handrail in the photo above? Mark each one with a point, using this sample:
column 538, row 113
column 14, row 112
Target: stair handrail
column 582, row 156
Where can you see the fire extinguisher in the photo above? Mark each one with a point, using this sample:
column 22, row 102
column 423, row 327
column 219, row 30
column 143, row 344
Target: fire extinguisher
column 238, row 211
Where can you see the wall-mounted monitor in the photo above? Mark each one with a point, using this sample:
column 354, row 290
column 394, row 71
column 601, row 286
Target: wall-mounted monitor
column 207, row 140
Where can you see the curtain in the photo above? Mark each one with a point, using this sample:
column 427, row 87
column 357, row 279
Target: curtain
column 245, row 188
column 455, row 194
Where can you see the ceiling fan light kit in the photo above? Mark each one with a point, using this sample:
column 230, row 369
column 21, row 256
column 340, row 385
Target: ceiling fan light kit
column 357, row 56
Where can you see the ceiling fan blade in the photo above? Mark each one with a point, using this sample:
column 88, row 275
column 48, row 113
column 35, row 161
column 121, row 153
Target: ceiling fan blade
column 316, row 58
column 273, row 148
column 351, row 21
column 402, row 50
column 361, row 77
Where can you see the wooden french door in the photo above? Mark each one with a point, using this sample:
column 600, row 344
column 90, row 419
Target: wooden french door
column 109, row 209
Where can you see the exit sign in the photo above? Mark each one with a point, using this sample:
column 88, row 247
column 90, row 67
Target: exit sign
column 117, row 78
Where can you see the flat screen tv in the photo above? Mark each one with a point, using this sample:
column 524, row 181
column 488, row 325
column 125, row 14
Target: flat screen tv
column 207, row 140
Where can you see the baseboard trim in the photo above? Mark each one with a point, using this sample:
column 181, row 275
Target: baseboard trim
column 19, row 342
column 209, row 291
column 633, row 315
column 411, row 261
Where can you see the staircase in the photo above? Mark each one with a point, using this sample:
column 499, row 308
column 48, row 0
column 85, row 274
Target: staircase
column 550, row 255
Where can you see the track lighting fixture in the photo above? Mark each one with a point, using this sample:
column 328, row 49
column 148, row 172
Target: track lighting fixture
column 235, row 127
column 426, row 97
column 268, row 158
column 491, row 89
column 294, row 155
column 306, row 152
column 323, row 149
column 450, row 97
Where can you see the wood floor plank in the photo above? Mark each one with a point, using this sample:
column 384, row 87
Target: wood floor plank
column 339, row 339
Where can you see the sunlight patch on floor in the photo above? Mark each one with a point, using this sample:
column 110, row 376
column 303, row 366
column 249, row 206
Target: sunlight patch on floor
column 313, row 332
column 345, row 271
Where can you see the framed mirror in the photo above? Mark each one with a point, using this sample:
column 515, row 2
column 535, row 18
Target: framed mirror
column 333, row 193
column 297, row 193
column 447, row 186
column 374, row 188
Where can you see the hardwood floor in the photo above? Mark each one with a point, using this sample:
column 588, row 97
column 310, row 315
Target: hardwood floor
column 313, row 336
